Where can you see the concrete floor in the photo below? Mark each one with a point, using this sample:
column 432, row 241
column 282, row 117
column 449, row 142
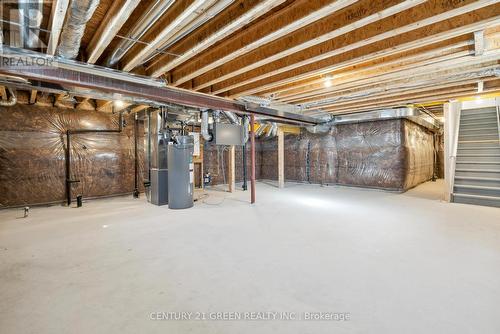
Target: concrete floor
column 396, row 263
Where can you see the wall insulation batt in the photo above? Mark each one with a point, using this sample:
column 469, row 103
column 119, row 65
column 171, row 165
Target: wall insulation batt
column 394, row 155
column 32, row 154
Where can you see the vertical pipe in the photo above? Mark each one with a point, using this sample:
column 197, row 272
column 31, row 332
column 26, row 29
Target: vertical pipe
column 136, row 160
column 149, row 146
column 281, row 158
column 245, row 186
column 68, row 168
column 252, row 153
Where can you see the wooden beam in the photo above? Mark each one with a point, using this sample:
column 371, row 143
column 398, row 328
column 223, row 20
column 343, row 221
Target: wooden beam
column 424, row 98
column 438, row 72
column 281, row 158
column 430, row 82
column 394, row 91
column 33, row 96
column 346, row 37
column 402, row 61
column 370, row 53
column 369, row 74
column 291, row 18
column 103, row 105
column 364, row 12
column 365, row 48
column 139, row 108
column 3, row 92
column 231, row 169
column 57, row 16
column 185, row 15
column 115, row 18
column 230, row 27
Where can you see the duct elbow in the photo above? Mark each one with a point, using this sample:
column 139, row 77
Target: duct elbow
column 11, row 101
column 80, row 12
column 204, row 126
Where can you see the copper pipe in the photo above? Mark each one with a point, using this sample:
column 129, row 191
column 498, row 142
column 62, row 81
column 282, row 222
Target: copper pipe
column 252, row 153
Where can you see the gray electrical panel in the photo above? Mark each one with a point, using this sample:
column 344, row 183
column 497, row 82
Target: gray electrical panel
column 228, row 134
column 181, row 173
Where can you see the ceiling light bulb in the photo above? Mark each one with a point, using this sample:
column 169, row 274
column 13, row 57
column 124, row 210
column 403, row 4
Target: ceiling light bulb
column 119, row 104
column 328, row 81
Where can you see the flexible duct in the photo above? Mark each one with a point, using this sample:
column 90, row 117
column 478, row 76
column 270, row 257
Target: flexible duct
column 260, row 130
column 79, row 13
column 269, row 130
column 231, row 117
column 31, row 14
column 322, row 127
column 145, row 22
column 246, row 125
column 10, row 102
column 204, row 126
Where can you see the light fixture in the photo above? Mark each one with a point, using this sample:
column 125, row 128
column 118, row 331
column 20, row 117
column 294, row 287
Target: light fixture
column 328, row 80
column 119, row 103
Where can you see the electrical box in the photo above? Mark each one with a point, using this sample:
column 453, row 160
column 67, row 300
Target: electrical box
column 228, row 134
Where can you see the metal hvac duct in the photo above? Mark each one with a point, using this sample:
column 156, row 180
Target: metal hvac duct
column 204, row 126
column 145, row 22
column 231, row 117
column 79, row 13
column 30, row 19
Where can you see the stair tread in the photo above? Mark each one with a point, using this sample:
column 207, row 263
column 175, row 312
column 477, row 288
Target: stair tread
column 479, row 162
column 494, row 198
column 476, row 178
column 470, row 186
column 478, row 141
column 494, row 129
column 478, row 170
column 478, row 155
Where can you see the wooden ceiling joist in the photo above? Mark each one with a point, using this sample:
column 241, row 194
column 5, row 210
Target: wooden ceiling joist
column 115, row 18
column 57, row 16
column 299, row 14
column 409, row 57
column 226, row 31
column 346, row 36
column 395, row 45
column 3, row 93
column 183, row 18
column 336, row 55
column 33, row 96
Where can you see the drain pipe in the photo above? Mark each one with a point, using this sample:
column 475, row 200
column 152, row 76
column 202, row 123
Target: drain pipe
column 204, row 126
column 11, row 101
column 246, row 123
column 70, row 181
column 79, row 13
column 136, row 160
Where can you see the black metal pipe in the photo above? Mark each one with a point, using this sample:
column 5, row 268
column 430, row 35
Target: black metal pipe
column 149, row 147
column 245, row 186
column 136, row 160
column 69, row 181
